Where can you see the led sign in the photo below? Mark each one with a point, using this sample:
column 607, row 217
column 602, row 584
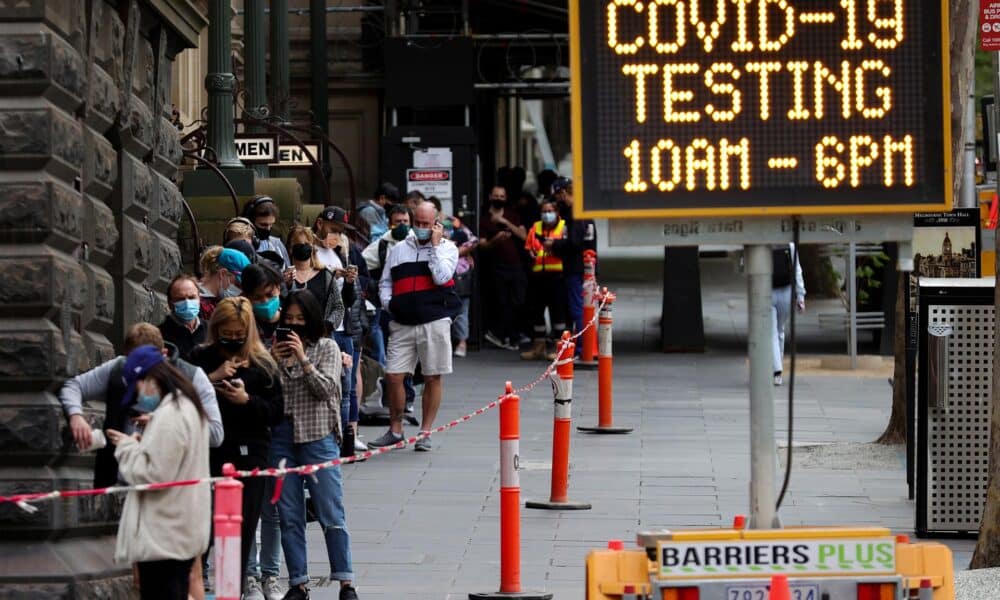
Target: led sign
column 714, row 107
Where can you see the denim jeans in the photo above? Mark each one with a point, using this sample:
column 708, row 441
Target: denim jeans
column 574, row 295
column 460, row 326
column 327, row 493
column 376, row 337
column 346, row 343
column 270, row 539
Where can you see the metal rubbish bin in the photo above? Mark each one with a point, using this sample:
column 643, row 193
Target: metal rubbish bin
column 955, row 369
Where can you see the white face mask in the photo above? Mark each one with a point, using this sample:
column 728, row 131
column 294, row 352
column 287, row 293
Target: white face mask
column 548, row 218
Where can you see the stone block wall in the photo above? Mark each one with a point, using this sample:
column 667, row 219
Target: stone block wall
column 88, row 227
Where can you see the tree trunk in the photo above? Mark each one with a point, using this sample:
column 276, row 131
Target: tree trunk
column 895, row 431
column 964, row 21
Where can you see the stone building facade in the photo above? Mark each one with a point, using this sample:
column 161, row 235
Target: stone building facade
column 88, row 217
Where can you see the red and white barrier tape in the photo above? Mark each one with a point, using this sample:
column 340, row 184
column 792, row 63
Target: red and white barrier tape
column 26, row 501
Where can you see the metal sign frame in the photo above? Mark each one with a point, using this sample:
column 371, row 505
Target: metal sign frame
column 749, row 206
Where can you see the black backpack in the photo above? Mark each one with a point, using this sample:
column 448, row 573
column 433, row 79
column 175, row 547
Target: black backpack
column 781, row 273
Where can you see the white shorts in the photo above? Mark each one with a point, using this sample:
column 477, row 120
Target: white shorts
column 430, row 344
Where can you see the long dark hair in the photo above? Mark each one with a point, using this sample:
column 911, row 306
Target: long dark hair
column 315, row 327
column 173, row 382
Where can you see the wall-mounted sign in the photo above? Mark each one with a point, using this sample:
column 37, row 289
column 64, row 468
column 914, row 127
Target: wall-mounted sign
column 432, row 182
column 292, row 156
column 752, row 107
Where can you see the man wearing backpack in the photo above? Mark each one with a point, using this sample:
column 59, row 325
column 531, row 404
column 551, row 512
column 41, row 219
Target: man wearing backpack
column 783, row 274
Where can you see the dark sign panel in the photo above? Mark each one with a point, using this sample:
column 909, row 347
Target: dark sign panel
column 712, row 107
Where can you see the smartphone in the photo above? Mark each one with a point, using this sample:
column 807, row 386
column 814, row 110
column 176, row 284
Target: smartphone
column 281, row 334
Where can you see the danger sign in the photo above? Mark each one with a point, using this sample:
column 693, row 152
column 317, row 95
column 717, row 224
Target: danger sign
column 989, row 25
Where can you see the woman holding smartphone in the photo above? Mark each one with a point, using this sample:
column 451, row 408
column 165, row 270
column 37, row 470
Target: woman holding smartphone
column 156, row 530
column 311, row 365
column 248, row 386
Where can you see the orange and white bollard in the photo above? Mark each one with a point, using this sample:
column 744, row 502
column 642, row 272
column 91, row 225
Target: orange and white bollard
column 228, row 521
column 510, row 504
column 605, row 375
column 562, row 386
column 780, row 590
column 588, row 350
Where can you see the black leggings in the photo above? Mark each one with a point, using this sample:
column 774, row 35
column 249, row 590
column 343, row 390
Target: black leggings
column 548, row 290
column 164, row 579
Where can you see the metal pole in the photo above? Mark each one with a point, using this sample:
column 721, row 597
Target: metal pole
column 759, row 341
column 852, row 303
column 320, row 92
column 280, row 78
column 254, row 58
column 220, row 84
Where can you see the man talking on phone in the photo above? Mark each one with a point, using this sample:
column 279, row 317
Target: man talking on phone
column 418, row 290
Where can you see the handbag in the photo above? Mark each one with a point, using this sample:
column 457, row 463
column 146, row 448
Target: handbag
column 463, row 284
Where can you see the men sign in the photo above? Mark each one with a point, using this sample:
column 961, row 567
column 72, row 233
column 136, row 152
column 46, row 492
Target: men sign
column 766, row 557
column 753, row 107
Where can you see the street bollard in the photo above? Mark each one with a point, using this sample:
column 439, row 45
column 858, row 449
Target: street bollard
column 510, row 504
column 562, row 386
column 605, row 375
column 228, row 520
column 589, row 338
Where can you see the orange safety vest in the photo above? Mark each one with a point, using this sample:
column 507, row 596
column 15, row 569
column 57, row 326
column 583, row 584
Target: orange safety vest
column 545, row 261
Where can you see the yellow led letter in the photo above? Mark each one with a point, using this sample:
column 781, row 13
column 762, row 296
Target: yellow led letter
column 708, row 32
column 666, row 185
column 621, row 48
column 825, row 162
column 851, row 42
column 859, row 161
column 735, row 103
column 640, row 72
column 635, row 182
column 670, row 95
column 823, row 75
column 766, row 43
column 884, row 92
column 764, row 69
column 742, row 44
column 679, row 27
column 893, row 24
column 740, row 150
column 706, row 164
column 798, row 110
column 889, row 148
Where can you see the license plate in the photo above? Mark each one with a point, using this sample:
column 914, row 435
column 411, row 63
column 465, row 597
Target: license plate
column 760, row 592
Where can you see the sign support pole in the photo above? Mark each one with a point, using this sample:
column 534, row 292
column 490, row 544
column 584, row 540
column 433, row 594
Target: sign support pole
column 762, row 444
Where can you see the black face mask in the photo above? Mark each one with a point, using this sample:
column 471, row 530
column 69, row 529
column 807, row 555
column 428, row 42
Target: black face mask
column 302, row 251
column 230, row 345
column 497, row 204
column 262, row 232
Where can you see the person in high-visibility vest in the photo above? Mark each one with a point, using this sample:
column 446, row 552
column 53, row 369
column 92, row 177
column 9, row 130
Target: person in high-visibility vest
column 547, row 286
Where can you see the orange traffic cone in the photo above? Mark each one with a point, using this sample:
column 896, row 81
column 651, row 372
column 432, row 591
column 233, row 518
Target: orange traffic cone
column 779, row 588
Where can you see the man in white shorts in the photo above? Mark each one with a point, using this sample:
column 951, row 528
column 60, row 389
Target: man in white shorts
column 418, row 290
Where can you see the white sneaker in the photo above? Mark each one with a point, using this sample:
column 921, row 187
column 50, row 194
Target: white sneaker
column 254, row 591
column 272, row 589
column 778, row 380
column 460, row 350
column 360, row 446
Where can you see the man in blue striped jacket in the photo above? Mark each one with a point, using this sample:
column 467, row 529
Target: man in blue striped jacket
column 418, row 290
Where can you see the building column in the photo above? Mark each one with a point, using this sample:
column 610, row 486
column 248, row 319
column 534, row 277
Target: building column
column 220, row 84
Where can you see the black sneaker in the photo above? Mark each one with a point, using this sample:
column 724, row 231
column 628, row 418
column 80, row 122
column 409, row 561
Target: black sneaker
column 299, row 592
column 348, row 593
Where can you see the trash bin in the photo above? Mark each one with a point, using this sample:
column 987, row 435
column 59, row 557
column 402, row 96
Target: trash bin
column 954, row 382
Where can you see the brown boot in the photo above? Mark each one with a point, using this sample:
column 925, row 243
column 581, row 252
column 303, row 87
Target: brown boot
column 537, row 351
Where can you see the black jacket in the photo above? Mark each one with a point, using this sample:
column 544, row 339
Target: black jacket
column 185, row 340
column 247, row 426
column 354, row 295
column 581, row 235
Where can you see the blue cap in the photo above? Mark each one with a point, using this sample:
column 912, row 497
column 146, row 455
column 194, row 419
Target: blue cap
column 234, row 260
column 137, row 365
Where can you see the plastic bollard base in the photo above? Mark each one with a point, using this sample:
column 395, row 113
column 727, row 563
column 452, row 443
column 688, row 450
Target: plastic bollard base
column 609, row 429
column 565, row 505
column 586, row 365
column 529, row 595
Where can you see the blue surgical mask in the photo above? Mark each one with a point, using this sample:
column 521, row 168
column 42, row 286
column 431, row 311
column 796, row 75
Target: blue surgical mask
column 187, row 309
column 423, row 234
column 146, row 403
column 231, row 292
column 548, row 218
column 267, row 310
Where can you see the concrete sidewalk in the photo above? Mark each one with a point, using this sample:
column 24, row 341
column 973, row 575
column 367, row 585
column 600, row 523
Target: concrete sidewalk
column 426, row 525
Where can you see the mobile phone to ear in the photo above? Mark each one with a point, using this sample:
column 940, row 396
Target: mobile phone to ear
column 282, row 334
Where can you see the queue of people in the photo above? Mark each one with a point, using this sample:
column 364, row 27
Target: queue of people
column 256, row 363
